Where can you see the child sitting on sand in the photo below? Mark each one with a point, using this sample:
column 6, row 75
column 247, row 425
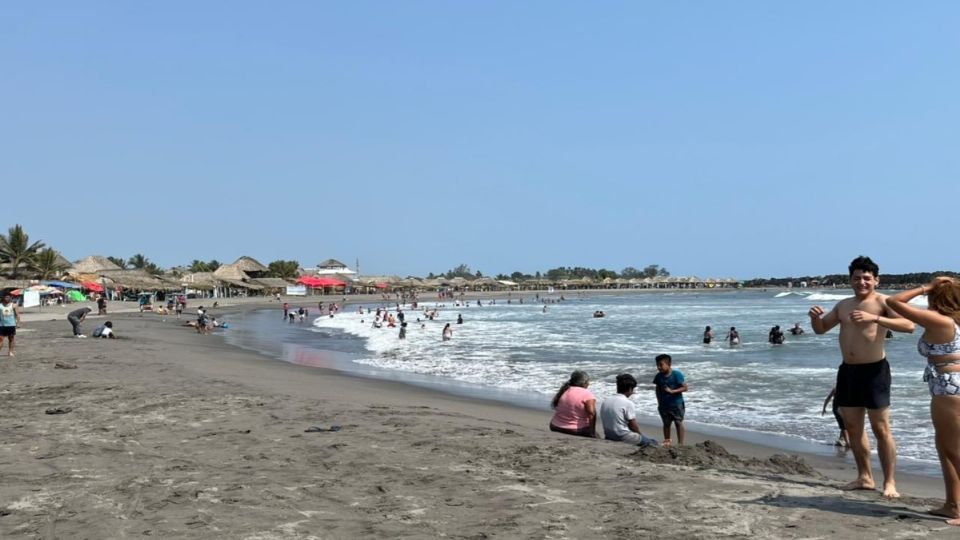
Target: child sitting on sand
column 619, row 415
column 670, row 386
column 104, row 331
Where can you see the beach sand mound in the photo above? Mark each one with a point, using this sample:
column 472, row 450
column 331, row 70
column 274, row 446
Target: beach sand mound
column 712, row 455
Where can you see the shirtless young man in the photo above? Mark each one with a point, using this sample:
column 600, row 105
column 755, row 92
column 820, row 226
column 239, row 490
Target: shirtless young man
column 863, row 380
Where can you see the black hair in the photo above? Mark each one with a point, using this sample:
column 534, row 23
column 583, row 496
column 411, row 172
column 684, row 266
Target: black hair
column 708, row 328
column 864, row 264
column 577, row 378
column 625, row 383
column 108, row 324
column 664, row 358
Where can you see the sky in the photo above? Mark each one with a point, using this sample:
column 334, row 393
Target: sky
column 719, row 139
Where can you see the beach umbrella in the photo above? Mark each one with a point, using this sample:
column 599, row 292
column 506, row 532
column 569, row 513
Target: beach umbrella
column 61, row 284
column 76, row 296
column 42, row 289
column 92, row 286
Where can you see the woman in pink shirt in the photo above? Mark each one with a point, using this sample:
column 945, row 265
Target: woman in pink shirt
column 575, row 408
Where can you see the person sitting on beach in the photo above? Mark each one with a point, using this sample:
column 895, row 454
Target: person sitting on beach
column 619, row 415
column 940, row 345
column 104, row 331
column 842, row 440
column 796, row 330
column 670, row 386
column 707, row 336
column 733, row 337
column 575, row 407
column 447, row 334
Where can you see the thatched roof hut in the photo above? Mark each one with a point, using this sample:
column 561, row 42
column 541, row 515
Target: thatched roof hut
column 138, row 280
column 250, row 266
column 94, row 264
column 231, row 274
column 271, row 283
column 203, row 281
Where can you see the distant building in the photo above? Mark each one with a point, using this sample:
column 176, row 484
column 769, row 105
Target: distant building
column 332, row 267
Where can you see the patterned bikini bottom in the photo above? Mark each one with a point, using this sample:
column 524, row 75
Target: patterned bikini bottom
column 941, row 384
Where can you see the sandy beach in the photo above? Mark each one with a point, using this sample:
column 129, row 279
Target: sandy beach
column 167, row 433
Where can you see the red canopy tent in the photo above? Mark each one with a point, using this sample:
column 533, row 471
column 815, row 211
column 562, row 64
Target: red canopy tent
column 93, row 286
column 316, row 282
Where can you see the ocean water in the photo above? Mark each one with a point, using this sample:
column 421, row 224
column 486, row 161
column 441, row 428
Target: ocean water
column 518, row 352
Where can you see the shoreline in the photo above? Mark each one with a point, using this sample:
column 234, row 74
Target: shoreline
column 836, row 462
column 178, row 434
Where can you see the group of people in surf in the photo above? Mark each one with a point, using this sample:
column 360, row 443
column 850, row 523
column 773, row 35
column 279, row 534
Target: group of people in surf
column 774, row 337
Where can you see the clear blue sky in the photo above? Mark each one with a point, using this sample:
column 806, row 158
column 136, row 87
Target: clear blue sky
column 713, row 138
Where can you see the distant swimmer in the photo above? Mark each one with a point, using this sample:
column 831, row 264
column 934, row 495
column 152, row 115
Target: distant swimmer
column 544, row 308
column 707, row 336
column 796, row 330
column 776, row 337
column 599, row 314
column 733, row 337
column 447, row 333
column 459, row 318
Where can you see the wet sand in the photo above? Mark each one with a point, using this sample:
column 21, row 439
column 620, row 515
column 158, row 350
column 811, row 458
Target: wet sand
column 173, row 434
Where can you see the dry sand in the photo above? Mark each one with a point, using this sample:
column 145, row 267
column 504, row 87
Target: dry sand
column 175, row 435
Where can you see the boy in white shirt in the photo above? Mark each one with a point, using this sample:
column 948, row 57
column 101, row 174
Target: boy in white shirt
column 619, row 415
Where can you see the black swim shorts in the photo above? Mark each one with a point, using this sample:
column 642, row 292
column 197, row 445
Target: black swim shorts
column 8, row 331
column 864, row 385
column 673, row 413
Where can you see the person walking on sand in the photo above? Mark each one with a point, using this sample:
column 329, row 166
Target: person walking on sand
column 940, row 344
column 863, row 379
column 9, row 322
column 842, row 440
column 76, row 317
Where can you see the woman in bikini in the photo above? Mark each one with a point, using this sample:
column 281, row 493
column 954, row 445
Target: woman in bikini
column 940, row 344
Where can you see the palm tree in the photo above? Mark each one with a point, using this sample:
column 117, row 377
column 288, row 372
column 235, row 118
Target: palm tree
column 119, row 261
column 139, row 261
column 153, row 269
column 198, row 266
column 284, row 269
column 47, row 263
column 16, row 249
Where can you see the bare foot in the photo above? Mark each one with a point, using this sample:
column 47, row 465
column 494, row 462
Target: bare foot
column 859, row 483
column 666, row 442
column 947, row 510
column 954, row 522
column 890, row 491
